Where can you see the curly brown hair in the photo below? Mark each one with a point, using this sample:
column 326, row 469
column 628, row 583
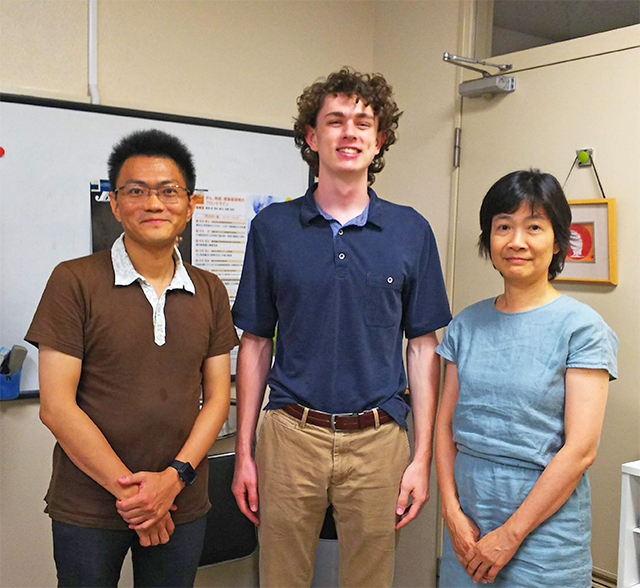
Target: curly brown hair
column 372, row 89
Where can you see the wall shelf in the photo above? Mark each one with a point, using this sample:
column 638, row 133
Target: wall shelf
column 629, row 548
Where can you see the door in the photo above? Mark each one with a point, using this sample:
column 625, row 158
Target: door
column 578, row 94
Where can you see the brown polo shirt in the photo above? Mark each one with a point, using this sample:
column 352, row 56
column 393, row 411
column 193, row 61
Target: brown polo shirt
column 143, row 397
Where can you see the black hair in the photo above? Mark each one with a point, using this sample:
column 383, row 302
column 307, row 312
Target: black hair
column 152, row 143
column 536, row 189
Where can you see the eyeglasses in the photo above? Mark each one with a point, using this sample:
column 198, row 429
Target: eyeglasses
column 168, row 194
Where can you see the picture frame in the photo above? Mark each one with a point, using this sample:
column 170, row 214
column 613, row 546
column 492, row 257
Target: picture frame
column 592, row 255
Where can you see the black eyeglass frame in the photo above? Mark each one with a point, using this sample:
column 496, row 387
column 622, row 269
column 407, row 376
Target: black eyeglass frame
column 148, row 190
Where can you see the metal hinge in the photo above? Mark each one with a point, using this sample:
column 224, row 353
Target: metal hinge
column 456, row 147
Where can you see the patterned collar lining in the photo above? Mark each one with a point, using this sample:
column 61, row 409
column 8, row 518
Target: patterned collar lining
column 126, row 274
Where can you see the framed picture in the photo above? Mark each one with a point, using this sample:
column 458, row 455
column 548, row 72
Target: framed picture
column 592, row 254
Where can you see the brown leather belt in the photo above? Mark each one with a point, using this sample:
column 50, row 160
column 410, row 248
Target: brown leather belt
column 339, row 422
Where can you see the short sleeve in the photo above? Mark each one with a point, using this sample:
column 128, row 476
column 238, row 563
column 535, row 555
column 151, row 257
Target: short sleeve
column 594, row 345
column 448, row 348
column 223, row 333
column 60, row 316
column 426, row 303
column 254, row 309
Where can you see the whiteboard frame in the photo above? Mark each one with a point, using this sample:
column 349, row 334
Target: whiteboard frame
column 32, row 243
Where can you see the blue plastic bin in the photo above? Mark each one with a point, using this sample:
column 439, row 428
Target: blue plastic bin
column 10, row 386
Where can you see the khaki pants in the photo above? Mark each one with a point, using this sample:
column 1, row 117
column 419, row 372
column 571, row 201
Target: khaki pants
column 301, row 469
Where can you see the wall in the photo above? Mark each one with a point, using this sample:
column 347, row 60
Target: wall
column 411, row 37
column 410, row 40
column 240, row 61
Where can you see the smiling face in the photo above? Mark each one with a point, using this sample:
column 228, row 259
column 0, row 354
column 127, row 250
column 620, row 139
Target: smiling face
column 151, row 224
column 345, row 137
column 522, row 245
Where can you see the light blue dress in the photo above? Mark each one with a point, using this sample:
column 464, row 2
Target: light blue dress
column 509, row 423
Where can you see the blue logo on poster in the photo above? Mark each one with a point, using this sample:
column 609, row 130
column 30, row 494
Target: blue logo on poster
column 100, row 190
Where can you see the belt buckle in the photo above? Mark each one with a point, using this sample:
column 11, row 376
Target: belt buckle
column 332, row 422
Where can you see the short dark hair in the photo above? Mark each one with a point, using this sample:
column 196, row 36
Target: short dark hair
column 152, row 143
column 536, row 189
column 372, row 89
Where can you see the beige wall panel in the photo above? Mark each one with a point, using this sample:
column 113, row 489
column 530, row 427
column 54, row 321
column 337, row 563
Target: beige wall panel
column 26, row 552
column 43, row 45
column 410, row 39
column 240, row 61
column 411, row 36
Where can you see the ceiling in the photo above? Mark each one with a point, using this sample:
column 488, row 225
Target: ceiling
column 559, row 20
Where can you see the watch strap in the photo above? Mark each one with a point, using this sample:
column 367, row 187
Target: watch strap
column 185, row 471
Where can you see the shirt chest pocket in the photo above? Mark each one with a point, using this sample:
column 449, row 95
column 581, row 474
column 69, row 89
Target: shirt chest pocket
column 383, row 303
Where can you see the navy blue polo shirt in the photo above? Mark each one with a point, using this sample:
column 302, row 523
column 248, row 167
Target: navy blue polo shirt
column 341, row 305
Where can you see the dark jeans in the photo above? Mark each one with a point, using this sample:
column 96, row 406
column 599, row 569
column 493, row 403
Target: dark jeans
column 87, row 557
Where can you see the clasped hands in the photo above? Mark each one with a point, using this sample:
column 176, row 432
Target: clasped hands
column 148, row 510
column 483, row 558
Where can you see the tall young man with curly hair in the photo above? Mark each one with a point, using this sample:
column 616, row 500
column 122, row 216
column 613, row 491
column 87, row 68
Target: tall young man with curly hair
column 343, row 275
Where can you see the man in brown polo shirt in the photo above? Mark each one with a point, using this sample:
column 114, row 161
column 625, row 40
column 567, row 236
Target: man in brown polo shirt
column 130, row 341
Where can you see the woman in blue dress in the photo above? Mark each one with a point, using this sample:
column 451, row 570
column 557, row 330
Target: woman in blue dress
column 523, row 402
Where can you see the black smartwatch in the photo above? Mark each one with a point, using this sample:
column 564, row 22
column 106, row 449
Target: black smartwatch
column 185, row 472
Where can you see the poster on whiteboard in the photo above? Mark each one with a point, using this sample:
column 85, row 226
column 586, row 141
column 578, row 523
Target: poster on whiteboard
column 220, row 226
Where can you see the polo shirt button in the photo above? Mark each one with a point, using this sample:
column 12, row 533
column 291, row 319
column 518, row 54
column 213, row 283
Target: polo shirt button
column 390, row 280
column 341, row 256
column 340, row 232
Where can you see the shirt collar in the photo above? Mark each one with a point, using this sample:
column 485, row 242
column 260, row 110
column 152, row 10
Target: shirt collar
column 309, row 209
column 358, row 221
column 126, row 274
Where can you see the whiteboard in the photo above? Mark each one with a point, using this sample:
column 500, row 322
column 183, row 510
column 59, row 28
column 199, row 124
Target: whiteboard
column 54, row 149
